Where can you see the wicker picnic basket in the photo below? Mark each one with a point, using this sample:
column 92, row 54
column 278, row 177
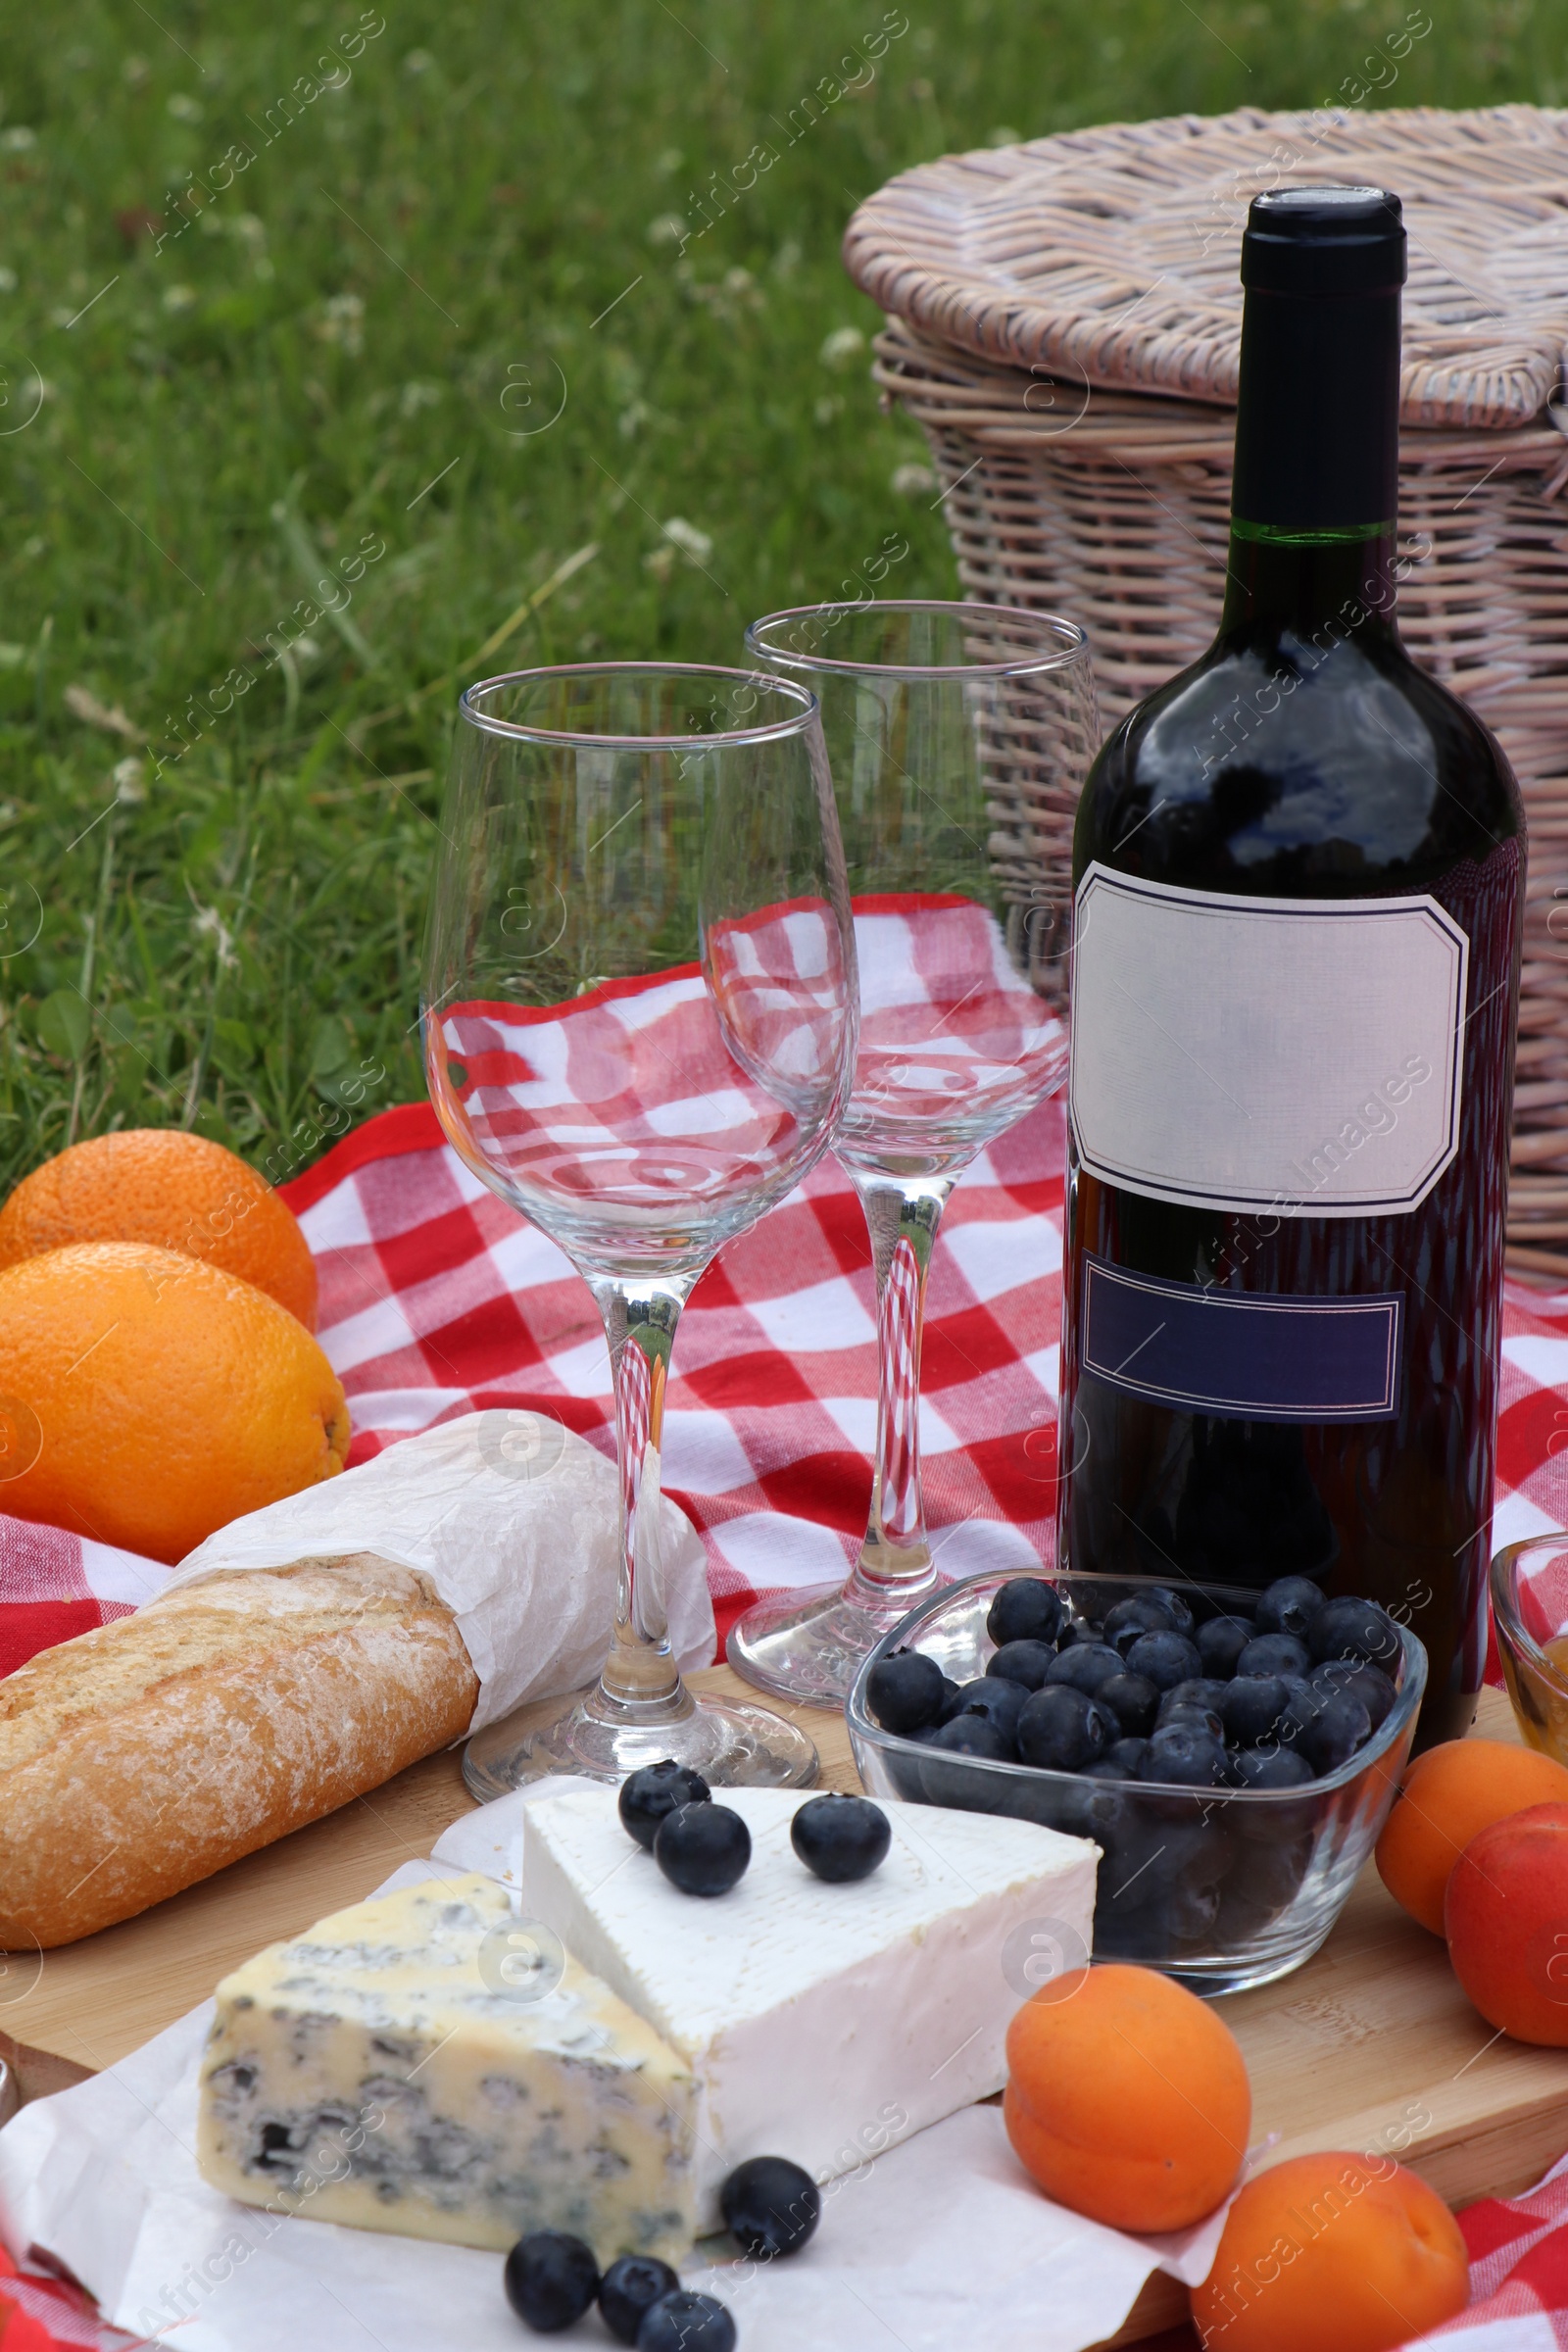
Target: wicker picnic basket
column 1064, row 320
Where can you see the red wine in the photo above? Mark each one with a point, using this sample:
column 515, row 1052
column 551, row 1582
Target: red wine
column 1299, row 878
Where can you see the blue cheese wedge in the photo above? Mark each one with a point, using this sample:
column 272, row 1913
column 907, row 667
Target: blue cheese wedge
column 396, row 2068
column 820, row 2022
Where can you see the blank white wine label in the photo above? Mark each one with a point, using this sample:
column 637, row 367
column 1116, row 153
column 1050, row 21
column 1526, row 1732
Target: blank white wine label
column 1294, row 1056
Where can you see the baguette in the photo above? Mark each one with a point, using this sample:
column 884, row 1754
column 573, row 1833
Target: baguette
column 152, row 1752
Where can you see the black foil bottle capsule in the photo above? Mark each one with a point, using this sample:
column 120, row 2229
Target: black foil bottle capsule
column 1299, row 878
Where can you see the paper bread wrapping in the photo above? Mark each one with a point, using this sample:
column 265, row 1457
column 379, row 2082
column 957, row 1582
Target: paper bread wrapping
column 308, row 1653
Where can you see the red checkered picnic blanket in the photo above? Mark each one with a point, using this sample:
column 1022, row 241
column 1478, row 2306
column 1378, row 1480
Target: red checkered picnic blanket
column 436, row 1298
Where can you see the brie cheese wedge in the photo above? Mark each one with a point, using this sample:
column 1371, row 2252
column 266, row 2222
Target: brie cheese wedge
column 820, row 2022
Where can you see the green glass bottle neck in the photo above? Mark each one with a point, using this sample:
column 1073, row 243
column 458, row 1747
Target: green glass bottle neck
column 1330, row 582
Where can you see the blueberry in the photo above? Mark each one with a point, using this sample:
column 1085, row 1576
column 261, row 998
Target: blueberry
column 703, row 1849
column 770, row 2205
column 627, row 2288
column 549, row 2279
column 1192, row 1713
column 1086, row 1667
column 1324, row 1724
column 1355, row 1629
column 647, row 1795
column 1188, row 1755
column 840, row 1839
column 1274, row 1653
column 1202, row 1692
column 1266, row 1883
column 1061, row 1729
column 950, row 1700
column 1252, row 1708
column 951, row 1783
column 997, row 1701
column 686, row 2321
column 904, row 1691
column 1220, row 1642
column 1164, row 1659
column 1026, row 1609
column 1103, row 1768
column 1190, row 1913
column 1136, row 1615
column 1127, row 1755
column 1339, row 1725
column 1288, row 1606
column 1370, row 1684
column 1079, row 1630
column 1177, row 1613
column 1270, row 1768
column 1133, row 1699
column 1026, row 1662
column 975, row 1735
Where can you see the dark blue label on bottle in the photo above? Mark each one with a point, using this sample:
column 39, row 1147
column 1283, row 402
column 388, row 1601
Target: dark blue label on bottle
column 1240, row 1357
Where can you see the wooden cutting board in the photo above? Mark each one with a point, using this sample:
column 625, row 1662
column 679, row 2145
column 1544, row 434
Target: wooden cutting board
column 1371, row 2045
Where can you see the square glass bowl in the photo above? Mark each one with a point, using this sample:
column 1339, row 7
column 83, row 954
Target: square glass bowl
column 1530, row 1611
column 1223, row 1889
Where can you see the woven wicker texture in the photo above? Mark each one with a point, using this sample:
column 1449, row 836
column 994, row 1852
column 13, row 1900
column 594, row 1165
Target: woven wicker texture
column 1111, row 256
column 1112, row 507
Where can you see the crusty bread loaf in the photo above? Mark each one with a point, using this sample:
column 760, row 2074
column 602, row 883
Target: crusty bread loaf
column 147, row 1754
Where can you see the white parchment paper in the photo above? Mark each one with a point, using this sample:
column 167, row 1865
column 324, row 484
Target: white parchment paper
column 517, row 1523
column 941, row 2240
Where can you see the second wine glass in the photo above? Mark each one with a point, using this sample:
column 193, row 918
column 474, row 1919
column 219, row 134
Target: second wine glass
column 959, row 736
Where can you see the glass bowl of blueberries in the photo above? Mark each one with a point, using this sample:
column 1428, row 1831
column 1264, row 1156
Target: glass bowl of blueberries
column 1233, row 1754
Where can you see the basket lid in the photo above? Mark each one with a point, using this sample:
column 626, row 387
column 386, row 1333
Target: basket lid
column 1111, row 256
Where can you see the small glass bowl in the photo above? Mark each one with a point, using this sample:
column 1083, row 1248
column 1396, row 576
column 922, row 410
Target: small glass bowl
column 1223, row 1889
column 1530, row 1611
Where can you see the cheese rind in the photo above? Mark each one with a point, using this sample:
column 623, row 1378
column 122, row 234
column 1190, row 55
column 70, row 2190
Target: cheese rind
column 381, row 2070
column 821, row 2021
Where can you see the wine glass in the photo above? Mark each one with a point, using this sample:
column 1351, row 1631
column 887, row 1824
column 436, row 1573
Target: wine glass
column 639, row 1025
column 959, row 736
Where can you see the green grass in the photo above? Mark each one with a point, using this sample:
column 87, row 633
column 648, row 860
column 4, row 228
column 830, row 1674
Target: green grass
column 403, row 285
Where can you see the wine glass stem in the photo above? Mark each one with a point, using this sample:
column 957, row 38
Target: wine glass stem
column 902, row 1215
column 640, row 1677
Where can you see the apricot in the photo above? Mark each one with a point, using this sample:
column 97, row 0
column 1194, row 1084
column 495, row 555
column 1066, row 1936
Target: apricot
column 1127, row 2099
column 1332, row 2253
column 1506, row 1915
column 1446, row 1799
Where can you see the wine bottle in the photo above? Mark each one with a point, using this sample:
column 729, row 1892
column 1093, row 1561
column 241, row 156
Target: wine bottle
column 1299, row 882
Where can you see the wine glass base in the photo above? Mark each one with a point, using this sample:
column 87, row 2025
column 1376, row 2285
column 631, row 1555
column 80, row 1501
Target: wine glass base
column 732, row 1745
column 809, row 1646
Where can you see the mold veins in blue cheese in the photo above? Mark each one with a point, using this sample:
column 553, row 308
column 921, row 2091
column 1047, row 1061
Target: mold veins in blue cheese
column 370, row 2074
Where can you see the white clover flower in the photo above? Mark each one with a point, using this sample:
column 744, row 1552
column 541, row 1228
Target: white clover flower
column 339, row 323
column 844, row 344
column 668, row 229
column 183, row 106
column 688, row 538
column 18, row 139
column 911, row 481
column 179, row 298
column 129, row 780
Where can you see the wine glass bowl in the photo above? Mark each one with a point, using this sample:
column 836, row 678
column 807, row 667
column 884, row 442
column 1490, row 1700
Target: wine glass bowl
column 640, row 1020
column 958, row 736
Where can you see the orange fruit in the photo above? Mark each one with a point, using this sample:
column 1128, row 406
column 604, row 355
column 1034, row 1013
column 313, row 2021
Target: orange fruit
column 181, row 1191
column 1351, row 2253
column 1446, row 1798
column 1127, row 2099
column 146, row 1399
